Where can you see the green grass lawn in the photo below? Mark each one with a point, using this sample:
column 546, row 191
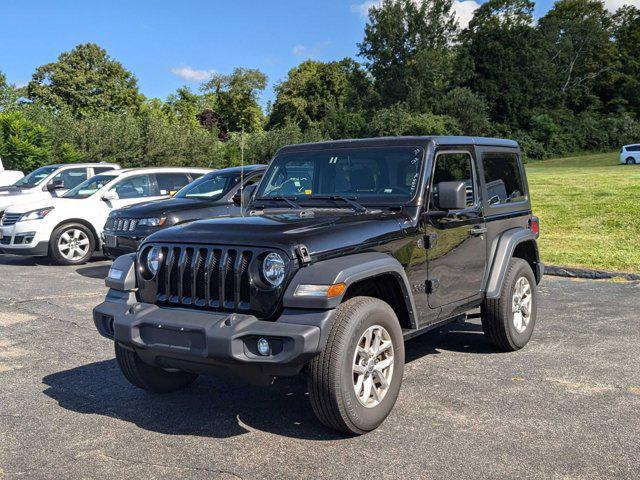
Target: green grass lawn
column 589, row 209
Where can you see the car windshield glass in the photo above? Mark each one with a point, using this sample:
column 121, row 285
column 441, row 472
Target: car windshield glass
column 35, row 178
column 211, row 187
column 89, row 187
column 371, row 175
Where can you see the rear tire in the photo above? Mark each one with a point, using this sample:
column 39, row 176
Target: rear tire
column 508, row 321
column 148, row 377
column 631, row 161
column 72, row 244
column 349, row 364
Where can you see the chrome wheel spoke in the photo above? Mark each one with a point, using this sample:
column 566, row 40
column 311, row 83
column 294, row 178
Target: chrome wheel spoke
column 521, row 304
column 373, row 366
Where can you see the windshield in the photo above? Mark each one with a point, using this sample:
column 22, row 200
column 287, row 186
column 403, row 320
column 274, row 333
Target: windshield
column 371, row 175
column 35, row 178
column 89, row 187
column 211, row 187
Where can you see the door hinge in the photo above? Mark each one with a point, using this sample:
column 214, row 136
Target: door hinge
column 430, row 240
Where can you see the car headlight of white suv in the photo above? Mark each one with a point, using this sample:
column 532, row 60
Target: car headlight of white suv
column 36, row 214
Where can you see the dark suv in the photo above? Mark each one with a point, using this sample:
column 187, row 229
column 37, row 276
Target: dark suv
column 215, row 194
column 349, row 248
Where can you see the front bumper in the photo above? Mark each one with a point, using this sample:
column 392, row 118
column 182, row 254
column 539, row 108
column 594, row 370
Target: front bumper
column 123, row 244
column 24, row 239
column 212, row 342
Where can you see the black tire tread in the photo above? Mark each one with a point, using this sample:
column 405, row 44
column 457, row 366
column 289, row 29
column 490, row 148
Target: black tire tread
column 494, row 322
column 327, row 401
column 147, row 377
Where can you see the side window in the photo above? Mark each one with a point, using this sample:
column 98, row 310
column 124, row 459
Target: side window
column 170, row 183
column 633, row 148
column 133, row 187
column 503, row 178
column 99, row 170
column 71, row 177
column 253, row 180
column 453, row 166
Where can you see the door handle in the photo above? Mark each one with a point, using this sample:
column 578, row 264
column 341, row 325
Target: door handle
column 476, row 231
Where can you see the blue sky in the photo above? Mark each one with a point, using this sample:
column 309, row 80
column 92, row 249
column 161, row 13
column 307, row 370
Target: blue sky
column 170, row 44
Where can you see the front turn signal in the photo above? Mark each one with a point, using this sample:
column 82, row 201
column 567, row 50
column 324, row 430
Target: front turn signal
column 320, row 291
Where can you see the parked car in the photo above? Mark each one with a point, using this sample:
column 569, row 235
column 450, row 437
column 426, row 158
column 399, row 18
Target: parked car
column 348, row 249
column 9, row 177
column 68, row 228
column 50, row 182
column 213, row 195
column 630, row 154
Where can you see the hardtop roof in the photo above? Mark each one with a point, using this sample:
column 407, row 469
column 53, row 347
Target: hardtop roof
column 404, row 141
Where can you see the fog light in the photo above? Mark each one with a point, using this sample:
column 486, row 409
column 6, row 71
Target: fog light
column 263, row 346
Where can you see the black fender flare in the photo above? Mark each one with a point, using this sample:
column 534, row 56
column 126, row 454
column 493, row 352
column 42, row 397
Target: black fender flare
column 502, row 254
column 348, row 270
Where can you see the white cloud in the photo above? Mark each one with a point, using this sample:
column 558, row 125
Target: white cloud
column 191, row 74
column 299, row 50
column 613, row 5
column 363, row 8
column 463, row 9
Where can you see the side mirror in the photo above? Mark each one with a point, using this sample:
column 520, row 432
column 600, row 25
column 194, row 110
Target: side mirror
column 452, row 195
column 110, row 195
column 247, row 192
column 54, row 185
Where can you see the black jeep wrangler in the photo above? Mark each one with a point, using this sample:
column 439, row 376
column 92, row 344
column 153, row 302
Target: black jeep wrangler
column 348, row 248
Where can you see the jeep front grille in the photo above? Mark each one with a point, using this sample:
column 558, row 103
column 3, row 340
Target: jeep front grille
column 121, row 224
column 211, row 277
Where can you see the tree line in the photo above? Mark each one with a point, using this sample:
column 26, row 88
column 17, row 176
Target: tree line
column 566, row 82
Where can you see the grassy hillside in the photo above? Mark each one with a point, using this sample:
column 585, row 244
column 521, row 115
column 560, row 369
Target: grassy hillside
column 589, row 209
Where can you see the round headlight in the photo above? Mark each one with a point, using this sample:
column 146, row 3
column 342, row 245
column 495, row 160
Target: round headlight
column 154, row 258
column 273, row 269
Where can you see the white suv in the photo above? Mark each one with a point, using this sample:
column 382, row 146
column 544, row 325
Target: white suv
column 69, row 228
column 630, row 154
column 49, row 182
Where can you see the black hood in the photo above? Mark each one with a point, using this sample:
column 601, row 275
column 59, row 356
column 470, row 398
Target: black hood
column 320, row 231
column 162, row 208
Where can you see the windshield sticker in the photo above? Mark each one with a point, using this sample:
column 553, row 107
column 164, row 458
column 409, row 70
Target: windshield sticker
column 308, row 192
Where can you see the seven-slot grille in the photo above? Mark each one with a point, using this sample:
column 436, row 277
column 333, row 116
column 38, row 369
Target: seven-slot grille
column 10, row 218
column 122, row 224
column 208, row 277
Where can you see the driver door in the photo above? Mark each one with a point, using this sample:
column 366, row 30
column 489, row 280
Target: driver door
column 457, row 252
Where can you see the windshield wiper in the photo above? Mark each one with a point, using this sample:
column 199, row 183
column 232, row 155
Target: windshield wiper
column 358, row 207
column 280, row 198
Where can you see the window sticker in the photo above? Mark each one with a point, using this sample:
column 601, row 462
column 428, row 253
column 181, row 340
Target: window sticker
column 163, row 192
column 308, row 192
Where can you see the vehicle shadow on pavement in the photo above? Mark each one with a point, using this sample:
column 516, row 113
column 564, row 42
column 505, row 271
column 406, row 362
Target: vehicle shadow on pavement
column 99, row 271
column 223, row 407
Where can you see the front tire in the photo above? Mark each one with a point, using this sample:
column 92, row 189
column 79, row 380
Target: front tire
column 354, row 382
column 148, row 377
column 72, row 244
column 508, row 321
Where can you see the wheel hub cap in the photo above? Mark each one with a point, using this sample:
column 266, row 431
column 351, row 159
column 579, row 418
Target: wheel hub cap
column 521, row 304
column 373, row 366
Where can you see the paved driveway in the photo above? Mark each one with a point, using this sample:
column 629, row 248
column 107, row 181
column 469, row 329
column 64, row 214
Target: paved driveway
column 564, row 407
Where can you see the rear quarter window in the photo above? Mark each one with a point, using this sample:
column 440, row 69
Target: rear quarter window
column 503, row 179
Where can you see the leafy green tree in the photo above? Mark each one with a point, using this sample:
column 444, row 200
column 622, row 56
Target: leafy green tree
column 237, row 98
column 9, row 94
column 314, row 90
column 578, row 33
column 511, row 68
column 87, row 82
column 407, row 46
column 626, row 35
column 469, row 109
column 24, row 145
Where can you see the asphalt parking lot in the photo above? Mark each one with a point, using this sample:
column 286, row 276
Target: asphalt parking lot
column 565, row 407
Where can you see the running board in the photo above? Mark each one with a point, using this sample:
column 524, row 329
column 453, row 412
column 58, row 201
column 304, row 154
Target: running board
column 408, row 333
